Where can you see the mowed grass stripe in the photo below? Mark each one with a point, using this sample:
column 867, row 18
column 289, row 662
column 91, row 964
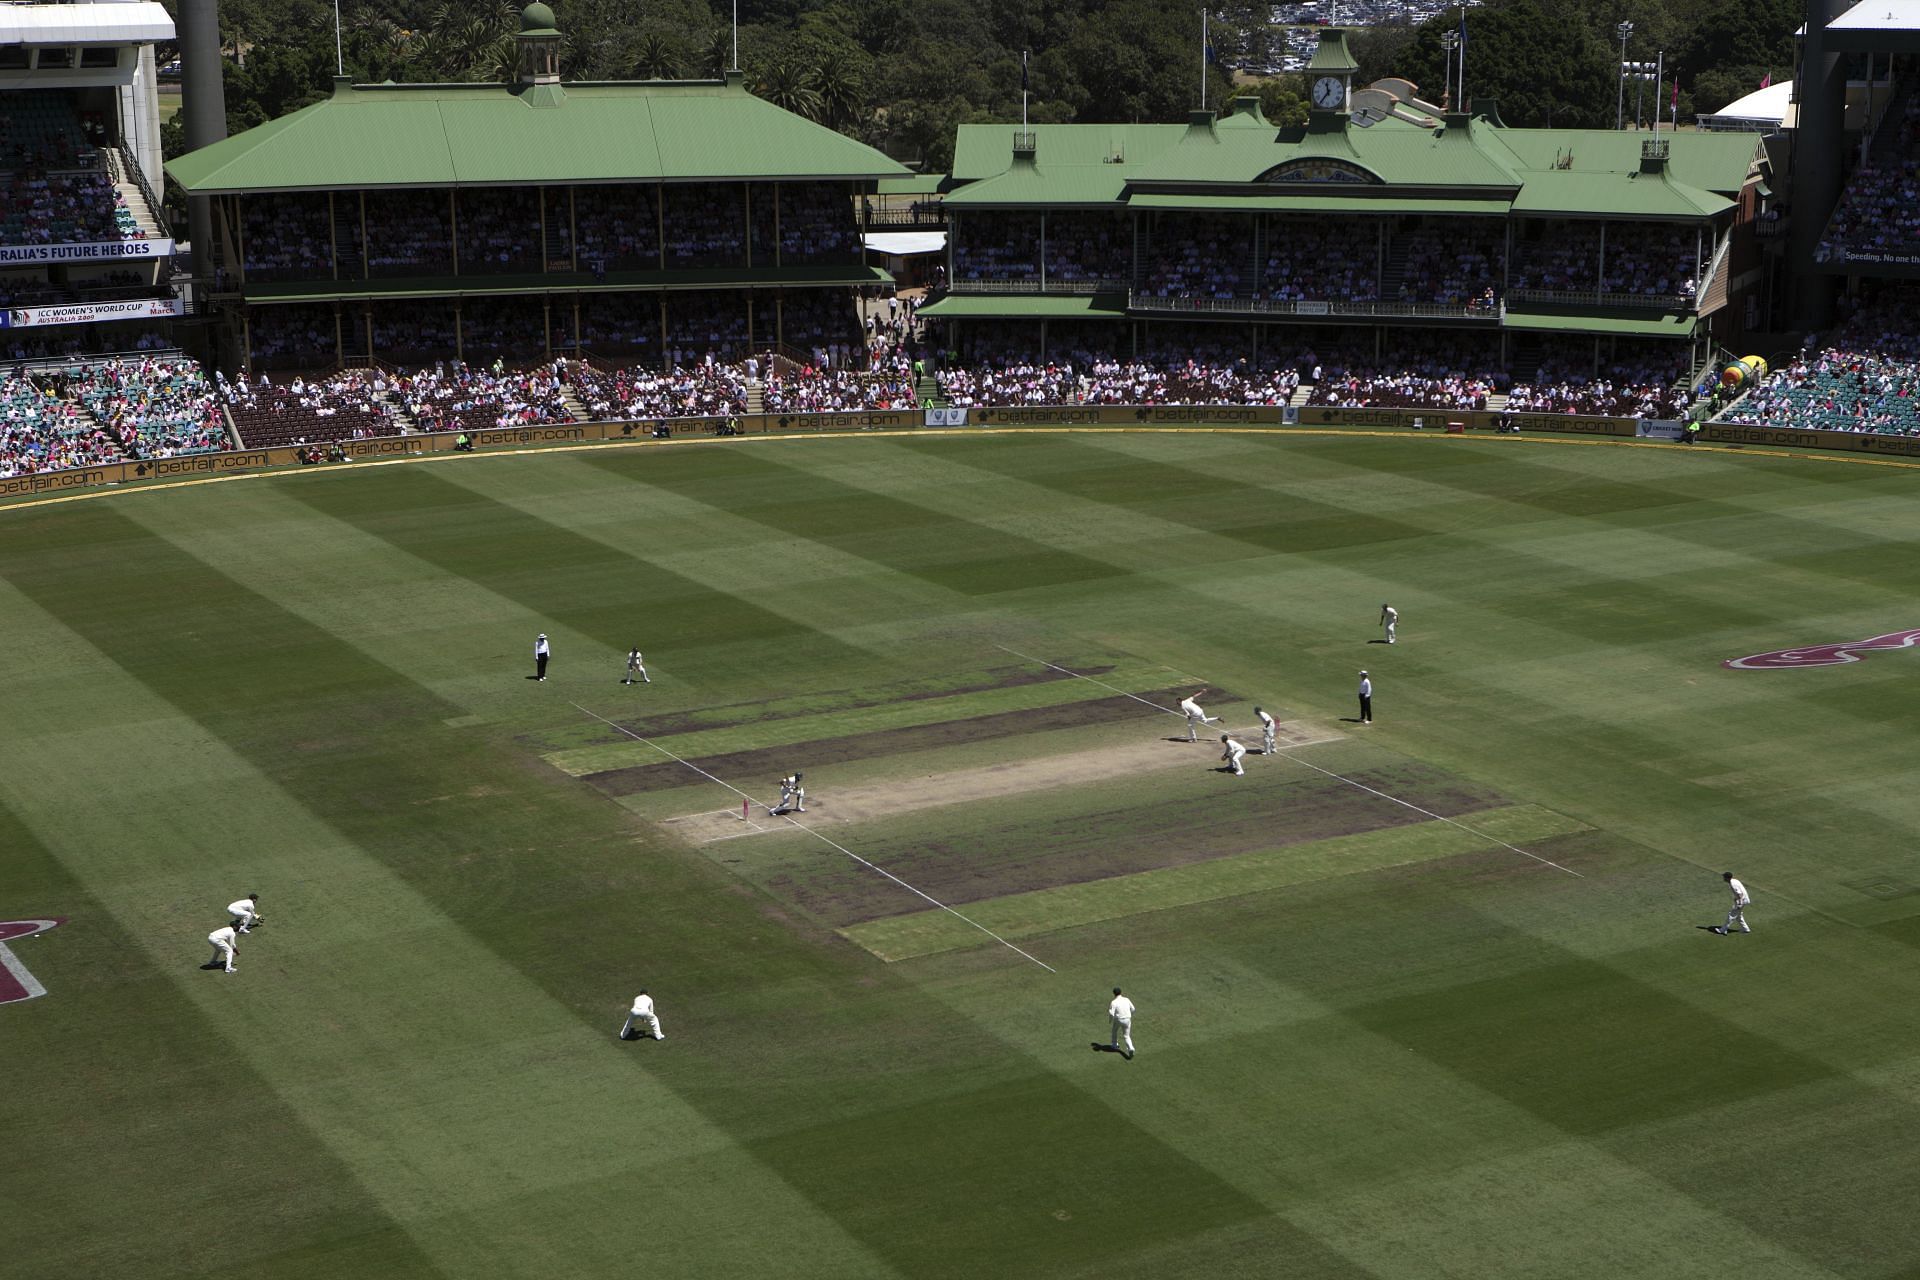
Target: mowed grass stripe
column 116, row 1042
column 1239, row 509
column 1039, row 699
column 595, row 590
column 571, row 930
column 960, row 555
column 379, row 954
column 1027, row 915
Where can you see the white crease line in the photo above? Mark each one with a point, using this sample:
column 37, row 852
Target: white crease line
column 1316, row 768
column 828, row 839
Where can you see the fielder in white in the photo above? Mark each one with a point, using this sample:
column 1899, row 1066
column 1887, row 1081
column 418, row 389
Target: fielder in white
column 226, row 944
column 1390, row 619
column 642, row 1015
column 245, row 913
column 1195, row 717
column 1741, row 901
column 1120, row 1018
column 1269, row 733
column 635, row 666
column 1233, row 754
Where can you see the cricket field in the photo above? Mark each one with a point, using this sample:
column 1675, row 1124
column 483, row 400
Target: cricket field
column 1435, row 996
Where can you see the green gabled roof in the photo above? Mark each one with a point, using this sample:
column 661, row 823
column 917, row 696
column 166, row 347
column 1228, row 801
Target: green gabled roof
column 1717, row 162
column 1028, row 307
column 496, row 135
column 1397, row 152
column 983, row 151
column 916, row 184
column 1615, row 195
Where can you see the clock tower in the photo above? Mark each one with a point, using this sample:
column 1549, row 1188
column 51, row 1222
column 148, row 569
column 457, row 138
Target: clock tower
column 1330, row 81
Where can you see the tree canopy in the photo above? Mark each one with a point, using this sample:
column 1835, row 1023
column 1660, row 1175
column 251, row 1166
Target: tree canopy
column 903, row 76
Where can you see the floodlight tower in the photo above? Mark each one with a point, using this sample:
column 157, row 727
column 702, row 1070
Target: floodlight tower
column 1624, row 30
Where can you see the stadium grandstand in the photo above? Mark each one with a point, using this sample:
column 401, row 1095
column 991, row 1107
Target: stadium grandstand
column 537, row 253
column 85, row 252
column 1389, row 252
column 523, row 246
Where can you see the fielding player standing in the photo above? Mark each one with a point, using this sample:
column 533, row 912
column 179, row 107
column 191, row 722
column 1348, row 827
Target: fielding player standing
column 1195, row 716
column 1120, row 1024
column 1233, row 754
column 1366, row 698
column 1741, row 901
column 541, row 652
column 642, row 1014
column 1390, row 619
column 226, row 944
column 635, row 666
column 1269, row 733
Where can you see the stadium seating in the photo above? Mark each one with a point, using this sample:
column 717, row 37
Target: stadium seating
column 288, row 236
column 1088, row 246
column 349, row 405
column 991, row 244
column 1197, row 256
column 1317, row 260
column 156, row 407
column 1641, row 380
column 453, row 396
column 1864, row 377
column 702, row 391
column 41, row 432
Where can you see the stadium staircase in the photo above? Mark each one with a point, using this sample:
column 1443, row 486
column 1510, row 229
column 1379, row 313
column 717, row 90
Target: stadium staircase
column 1524, row 360
column 1393, row 272
column 575, row 405
column 346, row 227
column 398, row 408
column 756, row 396
column 133, row 192
column 1302, row 394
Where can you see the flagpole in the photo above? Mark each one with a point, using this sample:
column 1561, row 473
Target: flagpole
column 1203, row 58
column 736, row 35
column 1023, row 90
column 339, row 56
column 1659, row 83
column 1460, row 75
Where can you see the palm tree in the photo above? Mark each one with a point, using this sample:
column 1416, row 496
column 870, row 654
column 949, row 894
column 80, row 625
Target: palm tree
column 655, row 59
column 718, row 55
column 789, row 86
column 839, row 88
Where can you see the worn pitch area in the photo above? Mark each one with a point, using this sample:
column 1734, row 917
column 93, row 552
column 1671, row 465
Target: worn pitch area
column 1089, row 806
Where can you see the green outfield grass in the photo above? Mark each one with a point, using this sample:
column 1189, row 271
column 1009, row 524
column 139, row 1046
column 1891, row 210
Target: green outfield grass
column 1375, row 1041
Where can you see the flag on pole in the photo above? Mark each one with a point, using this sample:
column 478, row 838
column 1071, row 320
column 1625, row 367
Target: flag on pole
column 1676, row 97
column 1767, row 81
column 1023, row 71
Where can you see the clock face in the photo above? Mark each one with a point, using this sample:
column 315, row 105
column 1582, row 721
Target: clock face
column 1328, row 92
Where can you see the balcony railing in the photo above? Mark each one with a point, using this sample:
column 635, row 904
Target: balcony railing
column 1032, row 285
column 931, row 214
column 1307, row 307
column 1600, row 301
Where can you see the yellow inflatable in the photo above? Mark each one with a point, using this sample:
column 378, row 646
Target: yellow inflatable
column 1741, row 374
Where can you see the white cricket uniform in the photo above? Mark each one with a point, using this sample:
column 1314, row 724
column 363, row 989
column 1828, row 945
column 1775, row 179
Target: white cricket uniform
column 1120, row 1013
column 1233, row 755
column 1269, row 736
column 225, row 943
column 1195, row 718
column 1390, row 619
column 1740, row 903
column 243, row 912
column 642, row 1015
column 635, row 666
